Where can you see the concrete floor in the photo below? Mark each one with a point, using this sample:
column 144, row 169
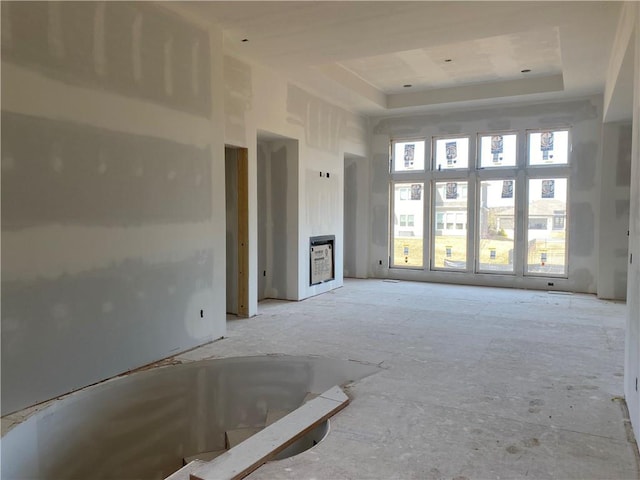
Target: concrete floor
column 475, row 383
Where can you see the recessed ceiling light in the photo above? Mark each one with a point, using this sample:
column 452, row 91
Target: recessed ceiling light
column 245, row 39
column 447, row 60
column 526, row 70
column 407, row 85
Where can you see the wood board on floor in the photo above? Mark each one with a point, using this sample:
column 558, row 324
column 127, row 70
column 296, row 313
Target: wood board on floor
column 185, row 472
column 204, row 456
column 274, row 415
column 243, row 459
column 233, row 438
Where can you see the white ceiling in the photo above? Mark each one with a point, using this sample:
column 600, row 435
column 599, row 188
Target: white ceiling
column 362, row 53
column 501, row 57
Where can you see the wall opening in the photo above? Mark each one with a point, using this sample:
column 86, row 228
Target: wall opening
column 354, row 215
column 277, row 183
column 237, row 227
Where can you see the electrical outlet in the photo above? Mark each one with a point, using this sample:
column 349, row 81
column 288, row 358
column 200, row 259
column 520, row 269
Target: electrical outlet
column 380, row 262
column 201, row 313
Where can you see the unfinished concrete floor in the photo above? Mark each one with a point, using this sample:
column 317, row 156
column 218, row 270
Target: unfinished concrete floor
column 476, row 382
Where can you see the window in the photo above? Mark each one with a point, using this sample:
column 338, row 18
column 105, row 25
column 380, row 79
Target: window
column 496, row 220
column 549, row 147
column 512, row 210
column 450, row 242
column 498, row 150
column 558, row 219
column 408, row 242
column 451, row 153
column 407, row 221
column 546, row 236
column 408, row 156
column 537, row 223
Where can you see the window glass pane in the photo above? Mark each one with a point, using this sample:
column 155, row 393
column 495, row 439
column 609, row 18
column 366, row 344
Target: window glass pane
column 408, row 156
column 546, row 226
column 451, row 153
column 496, row 234
column 498, row 150
column 549, row 147
column 408, row 232
column 450, row 226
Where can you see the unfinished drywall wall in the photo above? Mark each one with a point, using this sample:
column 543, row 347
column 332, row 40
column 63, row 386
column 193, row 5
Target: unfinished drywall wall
column 259, row 100
column 356, row 216
column 632, row 350
column 278, row 218
column 614, row 210
column 350, row 215
column 112, row 192
column 583, row 116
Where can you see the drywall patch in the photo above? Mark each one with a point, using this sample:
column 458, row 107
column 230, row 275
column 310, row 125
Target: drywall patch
column 620, row 284
column 380, row 220
column 279, row 194
column 99, row 56
column 324, row 124
column 321, row 201
column 497, row 124
column 115, row 318
column 622, row 208
column 623, row 165
column 5, row 15
column 238, row 98
column 81, row 175
column 380, row 172
column 549, row 114
column 583, row 279
column 56, row 45
column 55, row 250
column 583, row 232
column 114, row 46
column 450, row 129
column 584, row 166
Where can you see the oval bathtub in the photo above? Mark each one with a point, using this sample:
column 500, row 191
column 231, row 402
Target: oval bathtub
column 142, row 425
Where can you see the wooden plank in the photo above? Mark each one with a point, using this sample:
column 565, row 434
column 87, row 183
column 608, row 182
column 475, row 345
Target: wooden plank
column 185, row 472
column 274, row 415
column 204, row 456
column 240, row 461
column 243, row 231
column 309, row 396
column 233, row 438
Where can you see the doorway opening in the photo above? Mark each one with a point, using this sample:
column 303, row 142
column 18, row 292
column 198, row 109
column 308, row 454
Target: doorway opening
column 237, row 219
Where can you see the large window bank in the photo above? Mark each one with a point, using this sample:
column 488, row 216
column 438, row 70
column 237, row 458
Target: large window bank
column 495, row 206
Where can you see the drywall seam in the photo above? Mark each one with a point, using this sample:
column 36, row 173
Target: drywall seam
column 28, row 92
column 52, row 251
